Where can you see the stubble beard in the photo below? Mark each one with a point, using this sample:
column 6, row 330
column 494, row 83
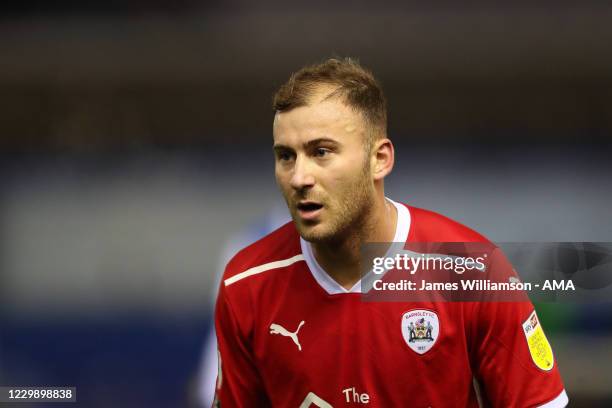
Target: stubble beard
column 349, row 215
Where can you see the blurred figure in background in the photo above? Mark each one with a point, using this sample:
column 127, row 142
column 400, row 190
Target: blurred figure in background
column 209, row 368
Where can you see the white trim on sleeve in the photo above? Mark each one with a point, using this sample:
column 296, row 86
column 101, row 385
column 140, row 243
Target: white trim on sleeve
column 262, row 268
column 559, row 402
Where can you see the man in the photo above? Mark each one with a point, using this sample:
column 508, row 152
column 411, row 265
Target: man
column 293, row 329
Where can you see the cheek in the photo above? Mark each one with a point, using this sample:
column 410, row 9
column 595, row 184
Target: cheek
column 349, row 174
column 341, row 185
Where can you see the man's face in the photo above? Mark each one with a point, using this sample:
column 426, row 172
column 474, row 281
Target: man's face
column 323, row 168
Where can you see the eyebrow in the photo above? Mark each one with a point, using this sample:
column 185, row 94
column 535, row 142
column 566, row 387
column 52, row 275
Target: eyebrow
column 308, row 144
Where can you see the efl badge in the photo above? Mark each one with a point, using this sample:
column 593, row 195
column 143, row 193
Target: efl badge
column 420, row 329
column 539, row 348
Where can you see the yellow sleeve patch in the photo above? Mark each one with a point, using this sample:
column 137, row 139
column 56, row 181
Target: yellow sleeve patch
column 539, row 347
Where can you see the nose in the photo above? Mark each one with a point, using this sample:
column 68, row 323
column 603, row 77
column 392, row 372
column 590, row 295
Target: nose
column 302, row 176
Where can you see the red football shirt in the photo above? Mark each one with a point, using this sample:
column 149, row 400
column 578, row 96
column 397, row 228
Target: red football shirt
column 290, row 336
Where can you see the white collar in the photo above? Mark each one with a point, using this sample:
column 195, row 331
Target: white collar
column 332, row 287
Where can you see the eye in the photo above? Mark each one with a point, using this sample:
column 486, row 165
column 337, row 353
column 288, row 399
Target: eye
column 284, row 155
column 321, row 152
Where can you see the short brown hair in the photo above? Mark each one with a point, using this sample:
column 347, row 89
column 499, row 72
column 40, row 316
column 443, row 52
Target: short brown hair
column 355, row 84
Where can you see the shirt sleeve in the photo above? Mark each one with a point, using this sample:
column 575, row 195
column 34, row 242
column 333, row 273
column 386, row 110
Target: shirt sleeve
column 512, row 358
column 238, row 381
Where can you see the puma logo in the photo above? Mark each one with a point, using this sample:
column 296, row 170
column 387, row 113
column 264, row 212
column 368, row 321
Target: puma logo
column 278, row 329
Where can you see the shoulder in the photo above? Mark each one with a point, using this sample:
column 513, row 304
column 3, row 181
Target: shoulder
column 430, row 226
column 279, row 248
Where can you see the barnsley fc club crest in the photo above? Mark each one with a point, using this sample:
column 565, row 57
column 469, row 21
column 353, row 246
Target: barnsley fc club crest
column 420, row 329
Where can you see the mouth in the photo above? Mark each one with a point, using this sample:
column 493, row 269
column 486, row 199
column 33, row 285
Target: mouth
column 309, row 210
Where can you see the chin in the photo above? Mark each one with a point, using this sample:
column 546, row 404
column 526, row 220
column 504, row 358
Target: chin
column 314, row 233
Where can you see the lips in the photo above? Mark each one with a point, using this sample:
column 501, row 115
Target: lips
column 309, row 210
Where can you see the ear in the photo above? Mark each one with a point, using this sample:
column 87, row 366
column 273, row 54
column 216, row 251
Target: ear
column 383, row 158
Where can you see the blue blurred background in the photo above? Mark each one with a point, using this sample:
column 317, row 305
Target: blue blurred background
column 136, row 157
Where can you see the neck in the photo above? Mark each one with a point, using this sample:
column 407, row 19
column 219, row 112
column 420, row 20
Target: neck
column 342, row 258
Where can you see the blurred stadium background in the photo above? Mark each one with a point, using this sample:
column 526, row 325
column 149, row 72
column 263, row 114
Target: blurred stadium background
column 135, row 142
